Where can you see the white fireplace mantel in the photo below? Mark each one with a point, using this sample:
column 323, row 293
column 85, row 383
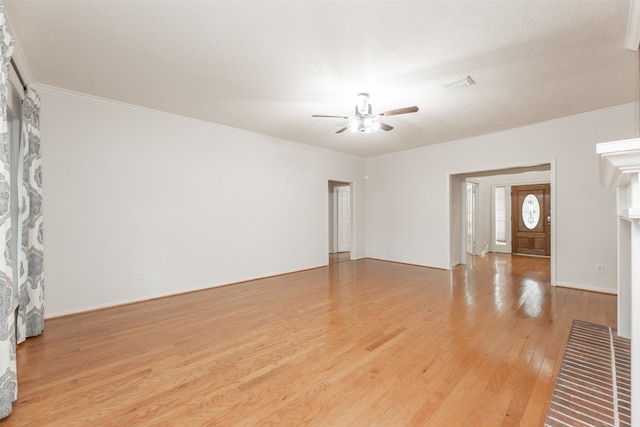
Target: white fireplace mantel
column 620, row 172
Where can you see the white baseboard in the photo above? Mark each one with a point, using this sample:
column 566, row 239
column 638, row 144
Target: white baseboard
column 600, row 289
column 172, row 292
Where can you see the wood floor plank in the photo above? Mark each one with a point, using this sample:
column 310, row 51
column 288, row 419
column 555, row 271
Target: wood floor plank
column 356, row 343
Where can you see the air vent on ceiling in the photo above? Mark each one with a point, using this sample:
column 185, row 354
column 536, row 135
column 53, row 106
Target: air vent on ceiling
column 459, row 84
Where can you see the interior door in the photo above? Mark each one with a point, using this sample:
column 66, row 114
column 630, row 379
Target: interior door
column 531, row 219
column 344, row 219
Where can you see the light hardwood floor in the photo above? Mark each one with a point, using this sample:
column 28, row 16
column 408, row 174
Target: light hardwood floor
column 337, row 257
column 358, row 343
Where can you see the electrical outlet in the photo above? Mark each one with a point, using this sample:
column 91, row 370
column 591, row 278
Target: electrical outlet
column 142, row 275
column 599, row 268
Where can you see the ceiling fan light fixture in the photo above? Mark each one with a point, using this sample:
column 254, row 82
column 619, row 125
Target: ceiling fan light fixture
column 364, row 121
column 364, row 124
column 459, row 84
column 353, row 124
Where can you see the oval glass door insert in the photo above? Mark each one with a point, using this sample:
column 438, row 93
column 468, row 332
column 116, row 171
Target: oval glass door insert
column 530, row 211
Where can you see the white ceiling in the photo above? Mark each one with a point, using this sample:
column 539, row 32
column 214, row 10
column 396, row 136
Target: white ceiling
column 267, row 66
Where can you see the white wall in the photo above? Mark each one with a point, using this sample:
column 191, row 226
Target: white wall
column 191, row 204
column 195, row 205
column 408, row 194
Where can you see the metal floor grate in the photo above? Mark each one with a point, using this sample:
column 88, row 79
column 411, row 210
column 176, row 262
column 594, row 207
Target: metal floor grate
column 594, row 384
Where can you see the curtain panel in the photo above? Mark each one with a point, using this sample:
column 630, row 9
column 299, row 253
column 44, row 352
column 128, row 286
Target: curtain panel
column 21, row 304
column 30, row 320
column 8, row 376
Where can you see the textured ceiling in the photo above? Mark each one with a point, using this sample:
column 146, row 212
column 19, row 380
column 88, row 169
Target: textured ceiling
column 267, row 66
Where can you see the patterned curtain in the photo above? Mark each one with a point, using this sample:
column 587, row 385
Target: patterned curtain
column 8, row 377
column 31, row 308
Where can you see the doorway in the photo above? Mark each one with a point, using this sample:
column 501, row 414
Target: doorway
column 492, row 227
column 340, row 221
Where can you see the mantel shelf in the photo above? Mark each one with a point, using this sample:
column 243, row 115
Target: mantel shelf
column 619, row 160
column 630, row 214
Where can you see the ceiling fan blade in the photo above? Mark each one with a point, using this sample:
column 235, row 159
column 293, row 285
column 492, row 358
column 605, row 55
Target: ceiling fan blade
column 331, row 117
column 342, row 130
column 400, row 111
column 385, row 126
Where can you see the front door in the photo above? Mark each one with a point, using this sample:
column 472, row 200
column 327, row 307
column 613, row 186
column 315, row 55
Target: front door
column 531, row 219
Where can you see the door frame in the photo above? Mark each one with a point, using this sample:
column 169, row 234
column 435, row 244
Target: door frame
column 330, row 212
column 457, row 209
column 475, row 190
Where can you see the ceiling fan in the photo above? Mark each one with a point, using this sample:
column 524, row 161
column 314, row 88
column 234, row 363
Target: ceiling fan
column 364, row 121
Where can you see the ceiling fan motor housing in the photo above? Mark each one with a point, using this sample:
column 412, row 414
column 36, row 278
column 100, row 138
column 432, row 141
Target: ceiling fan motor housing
column 362, row 105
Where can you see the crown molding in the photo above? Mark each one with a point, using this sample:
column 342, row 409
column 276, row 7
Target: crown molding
column 18, row 56
column 42, row 88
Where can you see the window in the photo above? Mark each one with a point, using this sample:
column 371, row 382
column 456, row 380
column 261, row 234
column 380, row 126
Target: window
column 500, row 215
column 531, row 211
